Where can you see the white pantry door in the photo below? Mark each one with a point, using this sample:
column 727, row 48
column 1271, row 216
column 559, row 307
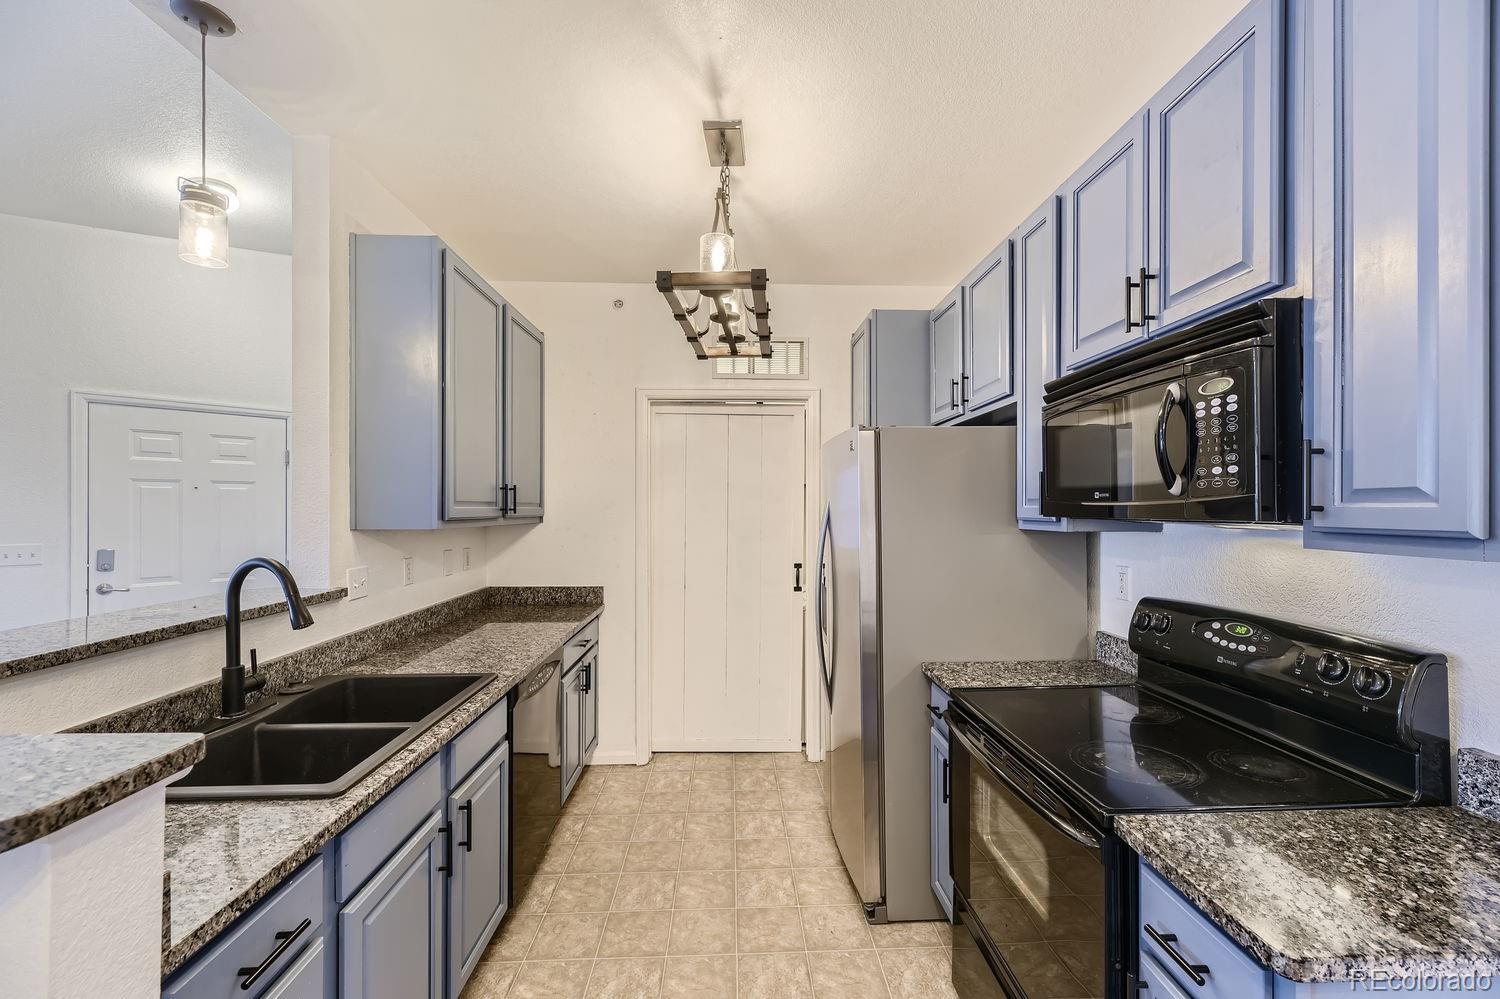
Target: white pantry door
column 726, row 622
column 181, row 497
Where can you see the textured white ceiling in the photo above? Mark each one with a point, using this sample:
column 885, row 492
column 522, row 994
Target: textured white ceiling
column 889, row 141
column 99, row 117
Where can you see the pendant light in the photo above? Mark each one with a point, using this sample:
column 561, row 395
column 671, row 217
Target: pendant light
column 720, row 285
column 204, row 204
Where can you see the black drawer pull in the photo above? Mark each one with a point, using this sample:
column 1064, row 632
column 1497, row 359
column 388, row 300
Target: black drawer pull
column 1197, row 972
column 447, row 865
column 947, row 795
column 285, row 938
column 468, row 841
column 935, row 711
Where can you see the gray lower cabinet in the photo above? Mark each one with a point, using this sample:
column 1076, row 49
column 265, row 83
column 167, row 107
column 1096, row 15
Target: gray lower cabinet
column 590, row 710
column 446, row 387
column 391, row 932
column 942, row 793
column 525, row 351
column 1401, row 321
column 888, row 370
column 572, row 728
column 478, row 810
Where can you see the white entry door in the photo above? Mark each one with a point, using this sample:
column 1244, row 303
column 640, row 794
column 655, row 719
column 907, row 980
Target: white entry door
column 727, row 508
column 179, row 497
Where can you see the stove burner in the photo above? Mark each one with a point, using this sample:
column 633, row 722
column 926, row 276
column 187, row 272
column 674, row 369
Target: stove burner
column 1137, row 764
column 1265, row 769
column 1156, row 714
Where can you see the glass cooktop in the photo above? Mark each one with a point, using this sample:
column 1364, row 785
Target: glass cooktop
column 1127, row 750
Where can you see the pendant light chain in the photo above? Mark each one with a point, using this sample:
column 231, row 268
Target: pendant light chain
column 203, row 100
column 721, row 197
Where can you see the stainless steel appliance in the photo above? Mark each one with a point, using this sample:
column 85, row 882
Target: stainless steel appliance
column 554, row 731
column 1231, row 711
column 1201, row 425
column 920, row 559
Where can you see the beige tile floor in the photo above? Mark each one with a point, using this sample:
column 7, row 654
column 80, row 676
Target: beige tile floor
column 702, row 875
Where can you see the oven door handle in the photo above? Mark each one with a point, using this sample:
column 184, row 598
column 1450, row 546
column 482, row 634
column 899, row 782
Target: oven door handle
column 1173, row 396
column 1067, row 827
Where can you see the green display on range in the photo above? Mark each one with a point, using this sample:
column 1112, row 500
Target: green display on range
column 1240, row 630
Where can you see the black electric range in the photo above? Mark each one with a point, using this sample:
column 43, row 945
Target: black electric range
column 1230, row 711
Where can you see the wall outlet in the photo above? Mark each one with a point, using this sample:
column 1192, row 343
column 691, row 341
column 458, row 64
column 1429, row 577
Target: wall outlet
column 20, row 555
column 448, row 561
column 468, row 559
column 408, row 570
column 358, row 582
column 1122, row 583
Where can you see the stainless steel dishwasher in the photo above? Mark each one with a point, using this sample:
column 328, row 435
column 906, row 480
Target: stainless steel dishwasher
column 552, row 738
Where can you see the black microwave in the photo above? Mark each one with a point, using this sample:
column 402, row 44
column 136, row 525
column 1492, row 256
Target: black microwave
column 1202, row 425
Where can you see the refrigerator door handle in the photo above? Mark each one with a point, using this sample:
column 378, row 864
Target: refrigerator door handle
column 820, row 600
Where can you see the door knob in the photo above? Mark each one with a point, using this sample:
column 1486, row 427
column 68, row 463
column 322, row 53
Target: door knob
column 105, row 589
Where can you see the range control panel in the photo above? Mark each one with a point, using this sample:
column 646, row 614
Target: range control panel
column 1222, row 459
column 1356, row 683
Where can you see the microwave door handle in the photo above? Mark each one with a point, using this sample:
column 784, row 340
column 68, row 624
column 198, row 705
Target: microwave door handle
column 1063, row 825
column 1163, row 461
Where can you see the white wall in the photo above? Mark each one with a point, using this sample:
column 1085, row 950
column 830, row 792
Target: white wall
column 1435, row 604
column 597, row 357
column 107, row 311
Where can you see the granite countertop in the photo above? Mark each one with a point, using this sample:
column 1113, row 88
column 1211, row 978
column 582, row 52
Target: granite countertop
column 38, row 646
column 1026, row 673
column 1339, row 894
column 224, row 856
column 51, row 781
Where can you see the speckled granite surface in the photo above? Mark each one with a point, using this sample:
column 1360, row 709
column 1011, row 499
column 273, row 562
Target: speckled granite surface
column 50, row 781
column 38, row 646
column 224, row 856
column 1113, row 663
column 1478, row 780
column 1338, row 894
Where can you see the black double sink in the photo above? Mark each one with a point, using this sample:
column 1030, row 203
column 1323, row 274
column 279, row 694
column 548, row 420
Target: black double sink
column 319, row 739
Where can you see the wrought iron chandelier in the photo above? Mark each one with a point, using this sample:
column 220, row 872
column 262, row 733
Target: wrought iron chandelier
column 731, row 303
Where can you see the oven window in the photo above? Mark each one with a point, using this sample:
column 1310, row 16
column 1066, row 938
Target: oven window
column 1104, row 452
column 1038, row 896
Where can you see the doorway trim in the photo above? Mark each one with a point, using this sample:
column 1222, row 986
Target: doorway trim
column 810, row 400
column 79, row 401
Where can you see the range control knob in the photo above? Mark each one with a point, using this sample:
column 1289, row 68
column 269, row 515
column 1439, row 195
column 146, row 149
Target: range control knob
column 1371, row 682
column 1161, row 623
column 1332, row 668
column 1142, row 620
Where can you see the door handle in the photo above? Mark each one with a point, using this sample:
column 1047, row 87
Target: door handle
column 1175, row 483
column 1308, row 506
column 105, row 589
column 825, row 652
column 284, row 939
column 513, row 503
column 953, row 393
column 796, row 577
column 947, row 795
column 447, row 865
column 1130, row 324
column 963, row 392
column 1197, row 972
column 1145, row 315
column 468, row 841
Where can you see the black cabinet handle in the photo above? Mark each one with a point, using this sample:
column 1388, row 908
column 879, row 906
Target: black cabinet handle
column 796, row 577
column 511, row 506
column 447, row 865
column 284, row 938
column 1145, row 315
column 1197, row 972
column 1308, row 506
column 953, row 393
column 1130, row 324
column 468, row 841
column 963, row 393
column 946, row 790
column 935, row 711
column 586, row 681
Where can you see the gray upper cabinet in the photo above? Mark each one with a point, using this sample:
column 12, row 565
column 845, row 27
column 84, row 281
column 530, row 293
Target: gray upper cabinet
column 445, row 391
column 1402, row 113
column 1036, row 269
column 946, row 335
column 1215, row 235
column 471, row 400
column 989, row 350
column 525, row 351
column 1104, row 249
column 888, row 370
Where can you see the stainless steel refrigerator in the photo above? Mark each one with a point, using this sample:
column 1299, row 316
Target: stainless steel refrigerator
column 920, row 559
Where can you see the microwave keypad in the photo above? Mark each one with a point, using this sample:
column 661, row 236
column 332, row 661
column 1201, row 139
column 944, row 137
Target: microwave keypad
column 1219, row 466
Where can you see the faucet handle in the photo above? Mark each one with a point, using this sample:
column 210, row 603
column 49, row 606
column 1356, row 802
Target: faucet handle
column 254, row 663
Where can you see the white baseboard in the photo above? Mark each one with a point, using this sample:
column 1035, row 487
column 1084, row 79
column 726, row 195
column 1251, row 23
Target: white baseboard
column 727, row 746
column 619, row 757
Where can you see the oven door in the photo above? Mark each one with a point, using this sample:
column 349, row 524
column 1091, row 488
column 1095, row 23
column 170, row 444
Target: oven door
column 1030, row 876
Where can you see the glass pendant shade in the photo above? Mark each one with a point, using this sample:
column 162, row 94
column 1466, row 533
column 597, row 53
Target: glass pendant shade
column 716, row 252
column 203, row 227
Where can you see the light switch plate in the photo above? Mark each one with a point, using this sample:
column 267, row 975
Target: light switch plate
column 408, row 570
column 468, row 559
column 359, row 582
column 448, row 561
column 20, row 555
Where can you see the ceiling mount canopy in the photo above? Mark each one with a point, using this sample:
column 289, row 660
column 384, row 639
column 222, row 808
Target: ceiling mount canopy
column 725, row 294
